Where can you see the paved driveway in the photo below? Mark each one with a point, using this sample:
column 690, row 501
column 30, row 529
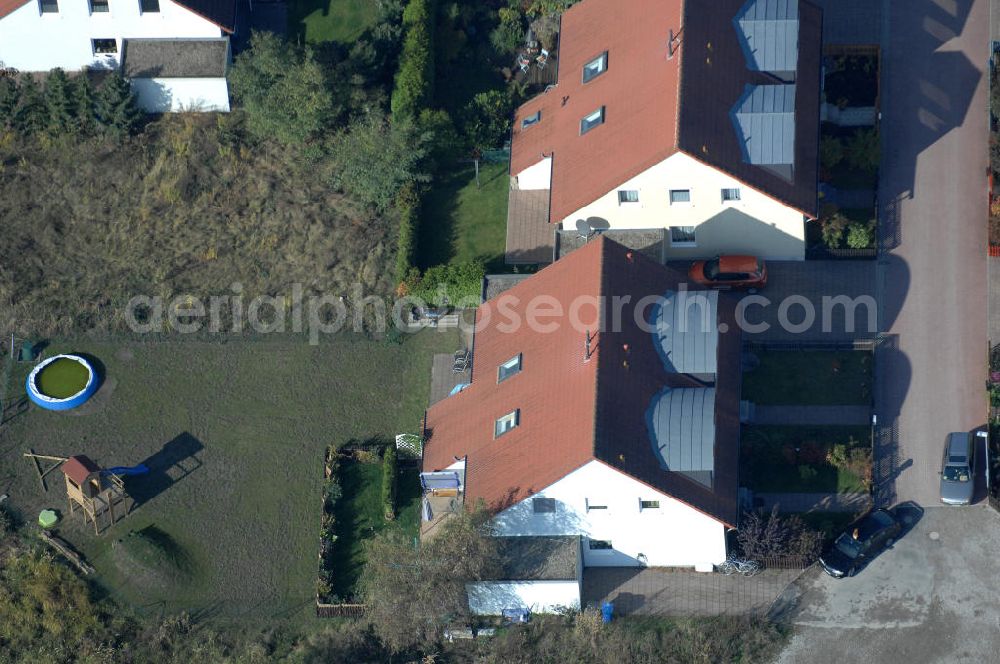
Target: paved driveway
column 932, row 270
column 931, row 598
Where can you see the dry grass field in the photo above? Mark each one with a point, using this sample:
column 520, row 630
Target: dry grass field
column 189, row 206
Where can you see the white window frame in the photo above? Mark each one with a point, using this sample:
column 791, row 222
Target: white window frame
column 670, row 196
column 598, row 65
column 513, row 364
column 93, row 46
column 654, row 505
column 736, row 199
column 513, row 418
column 531, row 120
column 546, row 501
column 683, row 243
column 625, row 199
column 592, row 121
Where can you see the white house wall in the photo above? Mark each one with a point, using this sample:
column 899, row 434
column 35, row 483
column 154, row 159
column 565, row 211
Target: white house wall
column 756, row 224
column 166, row 95
column 32, row 41
column 674, row 535
column 489, row 598
column 538, row 176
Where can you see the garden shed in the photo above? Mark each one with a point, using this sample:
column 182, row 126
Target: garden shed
column 541, row 574
column 174, row 75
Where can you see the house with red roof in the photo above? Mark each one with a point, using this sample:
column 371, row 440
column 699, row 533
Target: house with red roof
column 697, row 119
column 603, row 406
column 175, row 52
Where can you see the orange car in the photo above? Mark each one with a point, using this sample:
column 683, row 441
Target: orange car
column 730, row 272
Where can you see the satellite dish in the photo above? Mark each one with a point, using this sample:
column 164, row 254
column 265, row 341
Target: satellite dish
column 598, row 224
column 583, row 228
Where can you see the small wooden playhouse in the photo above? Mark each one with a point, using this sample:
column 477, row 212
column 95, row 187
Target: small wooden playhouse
column 95, row 491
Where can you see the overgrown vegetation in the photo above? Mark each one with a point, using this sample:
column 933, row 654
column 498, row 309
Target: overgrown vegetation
column 806, row 459
column 389, row 478
column 771, row 535
column 811, row 378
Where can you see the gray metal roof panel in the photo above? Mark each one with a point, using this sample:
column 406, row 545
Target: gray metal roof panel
column 769, row 34
column 764, row 118
column 681, row 425
column 685, row 331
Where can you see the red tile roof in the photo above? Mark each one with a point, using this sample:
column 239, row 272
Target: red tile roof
column 79, row 468
column 8, row 6
column 655, row 106
column 573, row 411
column 638, row 91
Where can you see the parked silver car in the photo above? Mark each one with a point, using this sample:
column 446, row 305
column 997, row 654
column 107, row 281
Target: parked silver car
column 957, row 481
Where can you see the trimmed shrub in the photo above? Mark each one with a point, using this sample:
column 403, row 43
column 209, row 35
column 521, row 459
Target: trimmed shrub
column 408, row 207
column 389, row 475
column 860, row 236
column 454, row 283
column 414, row 85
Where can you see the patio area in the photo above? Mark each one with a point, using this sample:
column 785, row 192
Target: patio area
column 680, row 592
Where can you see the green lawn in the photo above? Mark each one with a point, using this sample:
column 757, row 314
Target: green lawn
column 818, row 378
column 359, row 517
column 783, row 459
column 316, row 21
column 249, row 421
column 461, row 221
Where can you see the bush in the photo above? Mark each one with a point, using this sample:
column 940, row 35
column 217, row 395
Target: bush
column 332, row 492
column 389, row 482
column 116, row 107
column 408, row 208
column 508, row 36
column 854, row 458
column 283, row 90
column 414, row 84
column 453, row 283
column 862, row 150
column 860, row 236
column 374, row 159
column 831, row 152
column 761, row 536
column 833, row 229
column 487, row 119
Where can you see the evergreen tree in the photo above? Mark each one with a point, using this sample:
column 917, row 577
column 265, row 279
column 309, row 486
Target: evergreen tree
column 116, row 107
column 60, row 103
column 9, row 94
column 31, row 115
column 86, row 103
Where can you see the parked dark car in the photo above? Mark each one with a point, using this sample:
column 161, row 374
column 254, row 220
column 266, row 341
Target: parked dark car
column 860, row 543
column 730, row 272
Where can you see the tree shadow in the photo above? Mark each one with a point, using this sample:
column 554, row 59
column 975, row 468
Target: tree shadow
column 173, row 462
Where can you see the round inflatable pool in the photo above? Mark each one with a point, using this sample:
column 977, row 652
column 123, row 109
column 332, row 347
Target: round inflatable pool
column 61, row 382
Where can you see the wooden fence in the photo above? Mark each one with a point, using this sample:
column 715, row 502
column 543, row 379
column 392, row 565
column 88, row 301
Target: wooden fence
column 340, row 610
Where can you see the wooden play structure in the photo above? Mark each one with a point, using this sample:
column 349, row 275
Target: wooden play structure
column 98, row 493
column 95, row 491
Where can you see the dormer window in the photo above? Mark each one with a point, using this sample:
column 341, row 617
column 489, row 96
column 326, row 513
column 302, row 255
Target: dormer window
column 509, row 368
column 506, row 423
column 531, row 120
column 592, row 120
column 595, row 67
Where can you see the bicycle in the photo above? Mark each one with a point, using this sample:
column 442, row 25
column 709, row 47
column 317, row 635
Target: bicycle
column 734, row 565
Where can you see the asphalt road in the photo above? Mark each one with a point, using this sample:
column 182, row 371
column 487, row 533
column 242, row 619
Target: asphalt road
column 928, row 600
column 932, row 271
column 931, row 598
